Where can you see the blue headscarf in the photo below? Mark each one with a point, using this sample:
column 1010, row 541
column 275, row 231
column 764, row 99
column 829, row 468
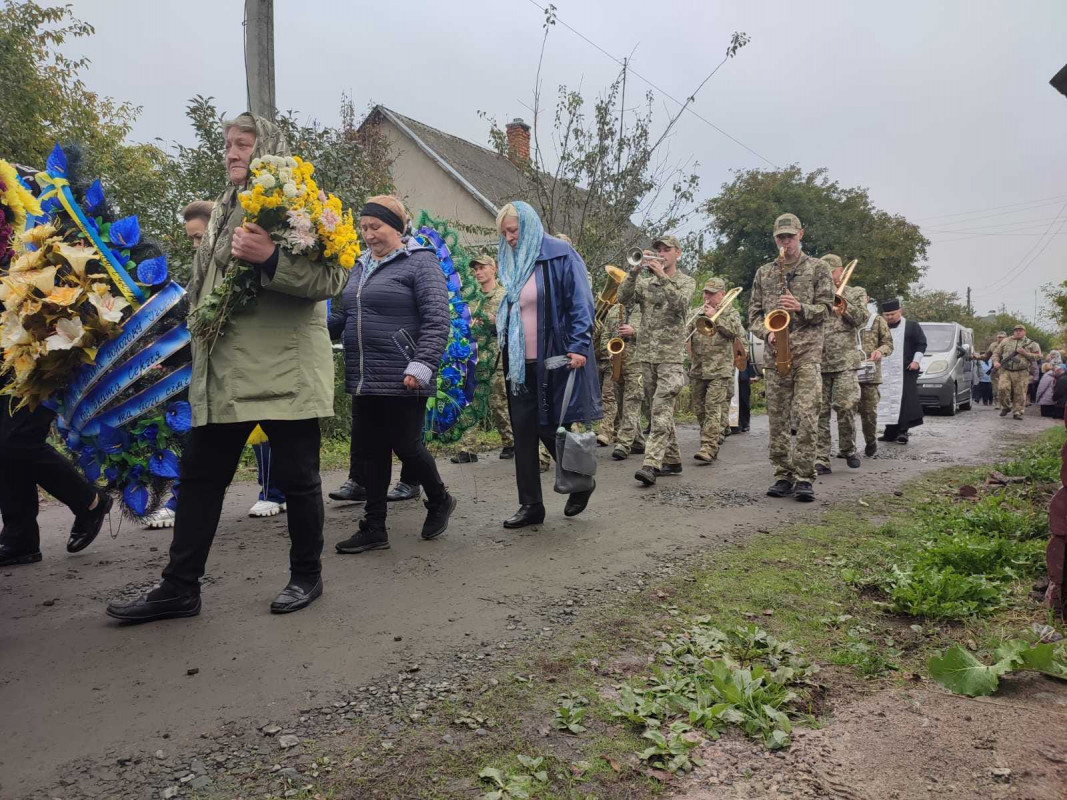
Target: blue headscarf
column 515, row 265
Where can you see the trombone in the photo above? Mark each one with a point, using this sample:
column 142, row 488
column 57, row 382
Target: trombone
column 705, row 326
column 840, row 304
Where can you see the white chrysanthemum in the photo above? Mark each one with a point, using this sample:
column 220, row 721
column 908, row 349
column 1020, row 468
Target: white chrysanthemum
column 256, row 163
column 289, row 189
column 290, row 162
column 266, row 180
column 69, row 333
column 299, row 220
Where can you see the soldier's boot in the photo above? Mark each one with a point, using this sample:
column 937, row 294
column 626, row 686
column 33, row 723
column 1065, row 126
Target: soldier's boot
column 822, row 469
column 638, row 448
column 803, row 492
column 781, row 488
column 646, row 475
column 1005, row 411
column 853, row 461
column 619, row 453
column 668, row 469
column 871, row 449
column 603, row 440
column 705, row 455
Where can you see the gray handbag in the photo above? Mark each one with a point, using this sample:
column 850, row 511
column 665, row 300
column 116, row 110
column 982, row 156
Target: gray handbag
column 575, row 452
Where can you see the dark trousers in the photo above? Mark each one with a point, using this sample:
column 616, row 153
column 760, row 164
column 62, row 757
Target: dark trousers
column 208, row 463
column 527, row 432
column 26, row 462
column 744, row 403
column 387, row 424
column 407, row 473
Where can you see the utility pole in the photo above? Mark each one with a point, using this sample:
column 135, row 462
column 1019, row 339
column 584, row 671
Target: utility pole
column 622, row 117
column 259, row 56
column 970, row 310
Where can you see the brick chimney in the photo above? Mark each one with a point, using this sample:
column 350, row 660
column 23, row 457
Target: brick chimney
column 518, row 141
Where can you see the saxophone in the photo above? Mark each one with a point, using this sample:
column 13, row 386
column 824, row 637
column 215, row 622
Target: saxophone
column 777, row 322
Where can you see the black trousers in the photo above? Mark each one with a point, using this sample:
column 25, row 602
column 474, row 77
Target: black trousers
column 527, row 431
column 208, row 463
column 387, row 424
column 407, row 473
column 744, row 403
column 26, row 462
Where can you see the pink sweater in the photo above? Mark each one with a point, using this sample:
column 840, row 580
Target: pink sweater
column 528, row 313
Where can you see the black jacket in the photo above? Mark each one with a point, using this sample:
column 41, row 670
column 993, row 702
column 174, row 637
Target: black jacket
column 400, row 314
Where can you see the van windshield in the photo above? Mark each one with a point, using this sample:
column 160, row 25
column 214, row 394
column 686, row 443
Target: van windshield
column 939, row 338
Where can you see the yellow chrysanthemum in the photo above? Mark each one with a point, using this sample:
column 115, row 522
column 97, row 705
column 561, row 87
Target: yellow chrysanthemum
column 20, row 201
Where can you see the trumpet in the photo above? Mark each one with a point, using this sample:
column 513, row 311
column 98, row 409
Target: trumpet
column 705, row 326
column 608, row 296
column 637, row 257
column 840, row 304
column 777, row 322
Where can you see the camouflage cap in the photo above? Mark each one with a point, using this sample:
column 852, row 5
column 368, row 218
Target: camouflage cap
column 488, row 260
column 1000, row 333
column 670, row 241
column 832, row 260
column 1019, row 327
column 787, row 223
column 715, row 285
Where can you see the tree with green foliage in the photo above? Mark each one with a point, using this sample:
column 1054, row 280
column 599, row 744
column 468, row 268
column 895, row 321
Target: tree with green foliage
column 836, row 219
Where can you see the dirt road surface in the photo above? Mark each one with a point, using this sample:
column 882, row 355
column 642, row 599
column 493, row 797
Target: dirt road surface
column 74, row 685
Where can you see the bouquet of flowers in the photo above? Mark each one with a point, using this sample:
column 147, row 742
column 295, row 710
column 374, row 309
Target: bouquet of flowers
column 16, row 202
column 284, row 199
column 92, row 327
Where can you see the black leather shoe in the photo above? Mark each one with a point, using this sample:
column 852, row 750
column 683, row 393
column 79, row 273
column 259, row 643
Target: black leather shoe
column 669, row 469
column 10, row 557
column 744, row 428
column 403, row 491
column 822, row 469
column 463, row 457
column 295, row 597
column 160, row 603
column 366, row 537
column 884, row 438
column 853, row 461
column 437, row 517
column 619, row 454
column 507, row 452
column 350, row 492
column 902, row 439
column 781, row 488
column 533, row 514
column 803, row 492
column 871, row 450
column 646, row 475
column 87, row 524
column 637, row 449
column 577, row 502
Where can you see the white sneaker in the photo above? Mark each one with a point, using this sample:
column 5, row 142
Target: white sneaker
column 162, row 518
column 266, row 508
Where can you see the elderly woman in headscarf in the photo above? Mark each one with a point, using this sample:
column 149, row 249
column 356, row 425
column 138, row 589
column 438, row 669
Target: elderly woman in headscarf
column 545, row 317
column 273, row 366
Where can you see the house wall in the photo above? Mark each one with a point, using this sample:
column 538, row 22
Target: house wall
column 422, row 184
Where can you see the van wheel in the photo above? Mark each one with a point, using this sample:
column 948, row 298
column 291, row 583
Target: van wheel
column 951, row 409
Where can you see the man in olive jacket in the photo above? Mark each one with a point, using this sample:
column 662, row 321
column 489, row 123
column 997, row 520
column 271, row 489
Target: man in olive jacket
column 272, row 365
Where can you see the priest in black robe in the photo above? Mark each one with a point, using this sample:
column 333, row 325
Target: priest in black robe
column 909, row 346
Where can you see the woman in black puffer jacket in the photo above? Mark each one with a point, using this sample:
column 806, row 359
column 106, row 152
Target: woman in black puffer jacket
column 393, row 320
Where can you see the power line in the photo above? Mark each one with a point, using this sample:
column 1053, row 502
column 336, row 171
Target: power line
column 637, row 74
column 1042, row 201
column 1023, row 264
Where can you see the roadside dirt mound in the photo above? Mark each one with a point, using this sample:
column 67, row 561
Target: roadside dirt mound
column 907, row 744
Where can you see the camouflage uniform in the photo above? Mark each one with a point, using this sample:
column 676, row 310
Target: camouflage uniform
column 797, row 394
column 664, row 305
column 622, row 412
column 498, row 393
column 874, row 336
column 711, row 376
column 840, row 383
column 1016, row 371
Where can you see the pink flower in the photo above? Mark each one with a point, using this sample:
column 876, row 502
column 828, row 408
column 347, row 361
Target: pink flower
column 329, row 219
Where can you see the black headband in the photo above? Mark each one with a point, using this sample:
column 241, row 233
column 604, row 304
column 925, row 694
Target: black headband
column 386, row 215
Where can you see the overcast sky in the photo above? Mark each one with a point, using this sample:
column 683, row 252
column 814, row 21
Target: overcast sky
column 942, row 109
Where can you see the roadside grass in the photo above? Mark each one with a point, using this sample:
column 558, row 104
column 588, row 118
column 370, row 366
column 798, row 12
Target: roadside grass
column 825, row 588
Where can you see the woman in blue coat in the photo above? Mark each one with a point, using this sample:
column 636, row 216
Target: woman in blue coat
column 547, row 312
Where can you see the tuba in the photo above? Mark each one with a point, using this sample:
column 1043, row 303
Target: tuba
column 840, row 304
column 777, row 322
column 608, row 297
